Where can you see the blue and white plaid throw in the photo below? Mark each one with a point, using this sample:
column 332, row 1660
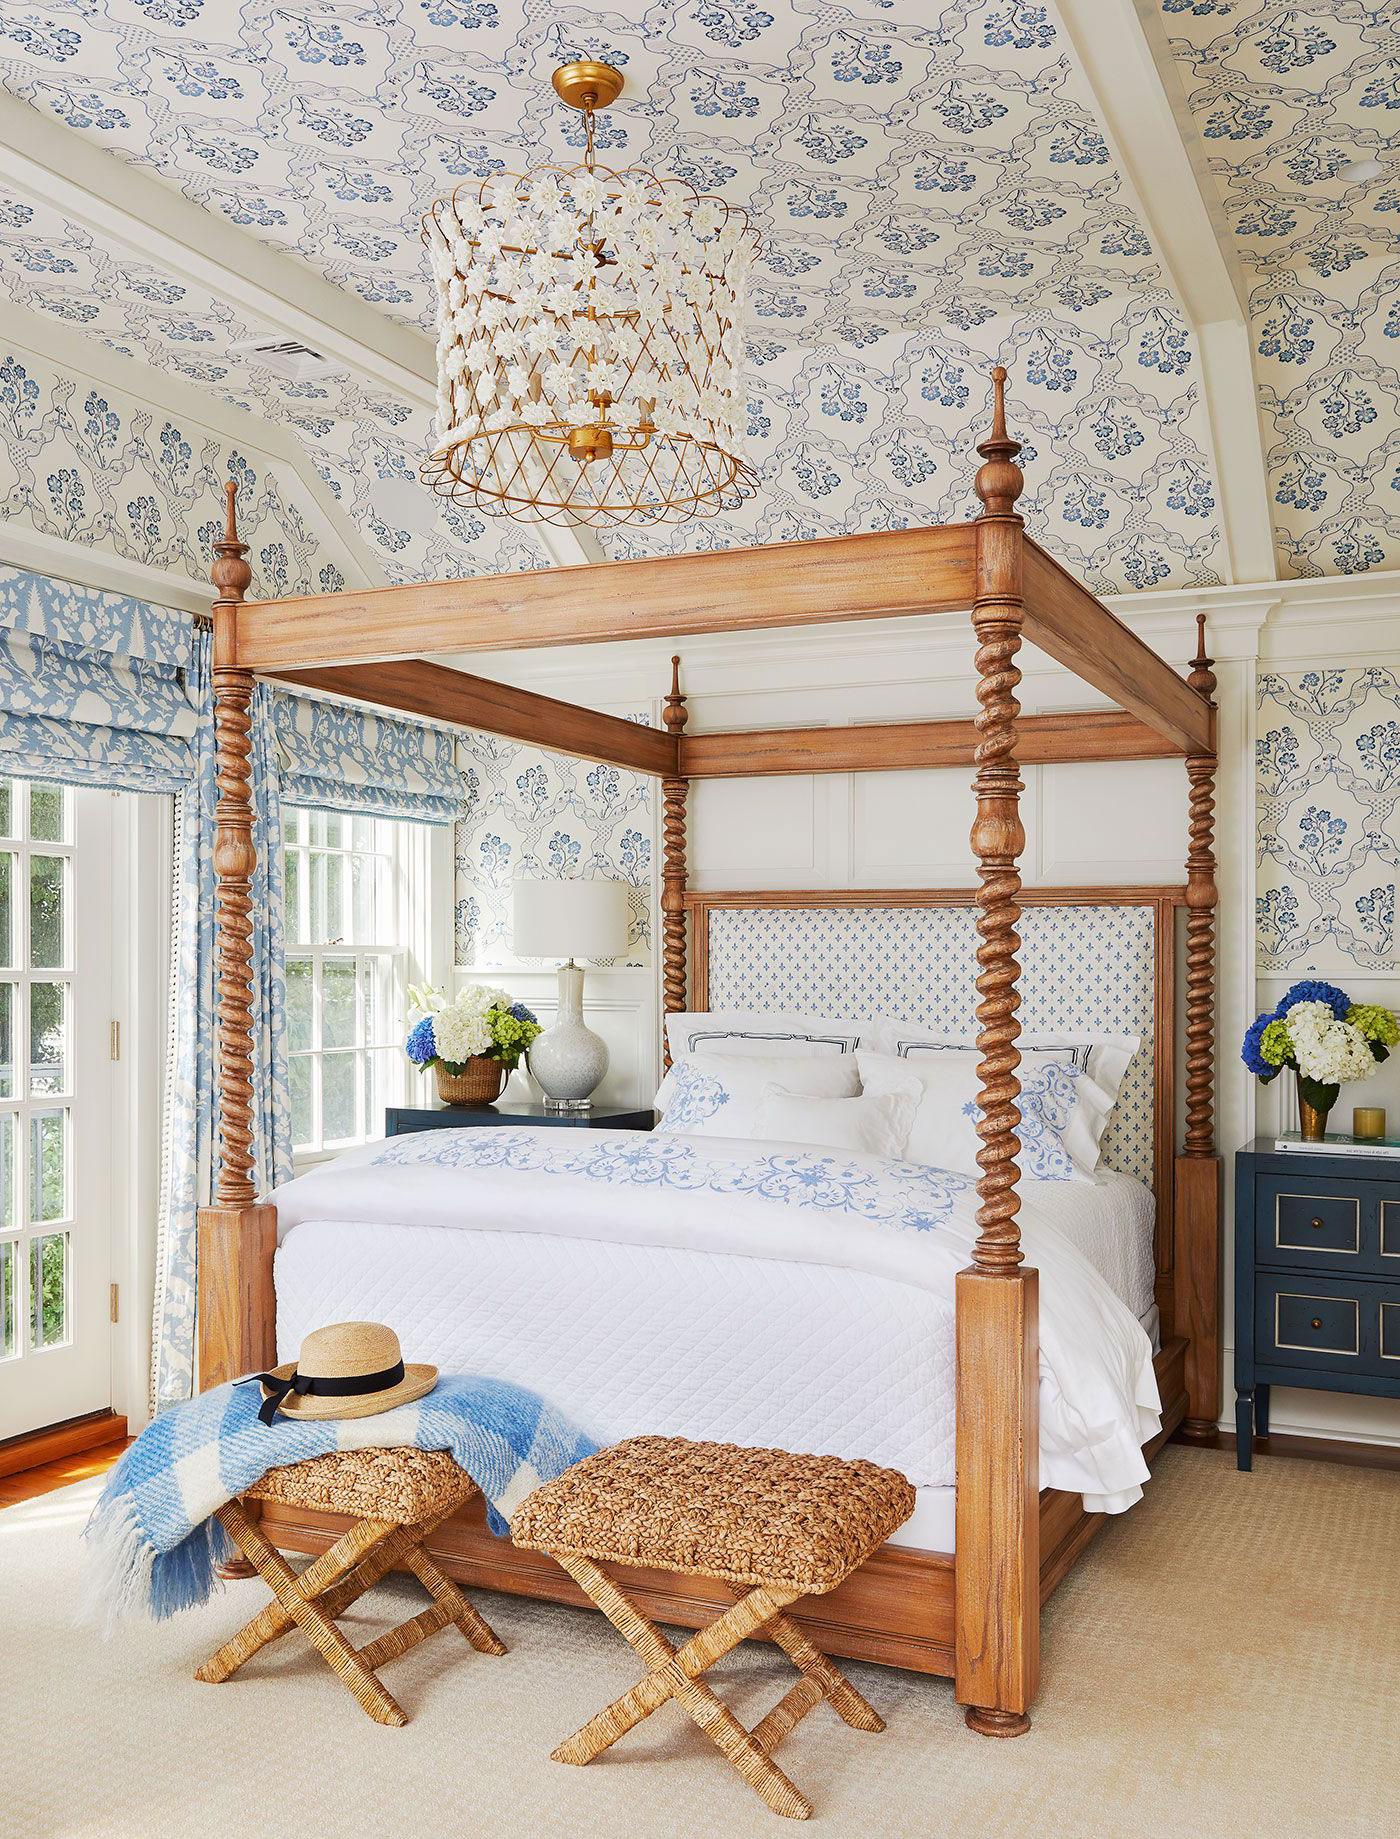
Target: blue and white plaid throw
column 153, row 1545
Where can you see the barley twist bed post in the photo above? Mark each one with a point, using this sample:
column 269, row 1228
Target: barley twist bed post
column 236, row 1236
column 997, row 1576
column 1197, row 1173
column 673, row 922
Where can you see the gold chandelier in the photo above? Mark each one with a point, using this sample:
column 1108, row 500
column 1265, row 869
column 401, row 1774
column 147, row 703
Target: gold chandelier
column 590, row 345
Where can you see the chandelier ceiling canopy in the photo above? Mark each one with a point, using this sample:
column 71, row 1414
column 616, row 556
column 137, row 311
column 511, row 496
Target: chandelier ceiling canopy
column 590, row 340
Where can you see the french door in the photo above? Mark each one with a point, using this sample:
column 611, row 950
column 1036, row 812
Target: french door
column 56, row 1091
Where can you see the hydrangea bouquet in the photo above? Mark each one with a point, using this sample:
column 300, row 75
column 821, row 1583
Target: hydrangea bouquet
column 1326, row 1038
column 479, row 1022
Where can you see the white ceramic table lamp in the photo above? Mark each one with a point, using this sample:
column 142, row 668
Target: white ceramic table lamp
column 569, row 920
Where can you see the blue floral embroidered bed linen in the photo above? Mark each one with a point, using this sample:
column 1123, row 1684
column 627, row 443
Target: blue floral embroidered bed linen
column 514, row 1225
column 152, row 1544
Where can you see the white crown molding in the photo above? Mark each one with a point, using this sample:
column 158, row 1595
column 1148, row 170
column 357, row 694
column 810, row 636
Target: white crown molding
column 75, row 353
column 99, row 568
column 1137, row 88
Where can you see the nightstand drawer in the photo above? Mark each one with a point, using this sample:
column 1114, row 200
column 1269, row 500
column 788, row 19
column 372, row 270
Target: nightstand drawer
column 1334, row 1326
column 1317, row 1223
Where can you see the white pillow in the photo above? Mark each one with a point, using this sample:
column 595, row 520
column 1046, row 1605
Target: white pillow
column 1104, row 1057
column 759, row 1031
column 717, row 1095
column 877, row 1124
column 1057, row 1128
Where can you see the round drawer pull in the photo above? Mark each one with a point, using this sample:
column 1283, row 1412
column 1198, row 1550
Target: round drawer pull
column 1317, row 1321
column 1317, row 1225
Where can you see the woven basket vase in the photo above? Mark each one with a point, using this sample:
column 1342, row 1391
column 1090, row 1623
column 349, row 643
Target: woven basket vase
column 481, row 1082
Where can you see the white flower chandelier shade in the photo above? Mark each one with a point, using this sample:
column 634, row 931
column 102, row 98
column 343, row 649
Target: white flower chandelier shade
column 590, row 347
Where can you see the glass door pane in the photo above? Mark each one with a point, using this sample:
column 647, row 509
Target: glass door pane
column 56, row 1088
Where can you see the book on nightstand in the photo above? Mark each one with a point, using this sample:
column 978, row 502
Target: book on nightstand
column 1339, row 1146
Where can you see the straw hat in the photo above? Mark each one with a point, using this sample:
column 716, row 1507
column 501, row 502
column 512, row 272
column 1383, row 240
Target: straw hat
column 348, row 1370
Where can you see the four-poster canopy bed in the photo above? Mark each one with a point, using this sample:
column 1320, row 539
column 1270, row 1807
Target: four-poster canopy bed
column 975, row 1613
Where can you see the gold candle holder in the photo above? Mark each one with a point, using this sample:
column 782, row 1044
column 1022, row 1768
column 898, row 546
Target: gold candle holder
column 1368, row 1123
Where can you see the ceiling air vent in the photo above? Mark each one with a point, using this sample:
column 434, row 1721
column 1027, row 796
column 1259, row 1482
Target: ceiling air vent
column 288, row 357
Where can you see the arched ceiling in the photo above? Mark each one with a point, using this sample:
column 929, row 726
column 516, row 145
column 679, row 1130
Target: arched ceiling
column 935, row 187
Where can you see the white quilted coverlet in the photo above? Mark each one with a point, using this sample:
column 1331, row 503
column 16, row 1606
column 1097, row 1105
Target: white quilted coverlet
column 738, row 1320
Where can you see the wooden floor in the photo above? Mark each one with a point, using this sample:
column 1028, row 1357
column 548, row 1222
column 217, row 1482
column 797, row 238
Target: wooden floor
column 50, row 1475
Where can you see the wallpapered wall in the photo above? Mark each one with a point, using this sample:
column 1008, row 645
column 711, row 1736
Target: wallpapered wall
column 546, row 815
column 85, row 463
column 1328, row 758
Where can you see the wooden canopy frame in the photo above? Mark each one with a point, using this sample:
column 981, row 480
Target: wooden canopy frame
column 976, row 1613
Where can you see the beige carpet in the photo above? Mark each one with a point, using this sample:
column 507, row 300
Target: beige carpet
column 1225, row 1661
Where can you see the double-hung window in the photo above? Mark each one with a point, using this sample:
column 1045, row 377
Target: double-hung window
column 357, row 891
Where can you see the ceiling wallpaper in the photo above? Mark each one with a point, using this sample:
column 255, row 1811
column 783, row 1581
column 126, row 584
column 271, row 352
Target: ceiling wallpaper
column 365, row 444
column 1285, row 99
column 85, row 463
column 930, row 184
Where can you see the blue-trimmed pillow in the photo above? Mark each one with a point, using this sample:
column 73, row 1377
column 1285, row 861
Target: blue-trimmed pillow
column 1058, row 1110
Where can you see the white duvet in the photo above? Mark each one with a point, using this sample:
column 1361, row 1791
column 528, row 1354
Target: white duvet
column 557, row 1209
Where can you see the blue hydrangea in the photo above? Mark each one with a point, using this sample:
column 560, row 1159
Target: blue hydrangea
column 420, row 1046
column 522, row 1014
column 1313, row 990
column 1250, row 1053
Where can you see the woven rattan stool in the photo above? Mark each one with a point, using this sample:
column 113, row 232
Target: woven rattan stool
column 397, row 1497
column 781, row 1526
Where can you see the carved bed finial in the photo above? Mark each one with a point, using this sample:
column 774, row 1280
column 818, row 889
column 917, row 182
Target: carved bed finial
column 674, row 713
column 999, row 480
column 234, row 862
column 230, row 572
column 1201, row 900
column 673, row 795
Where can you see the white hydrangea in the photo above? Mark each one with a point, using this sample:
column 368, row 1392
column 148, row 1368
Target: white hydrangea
column 460, row 1025
column 1327, row 1050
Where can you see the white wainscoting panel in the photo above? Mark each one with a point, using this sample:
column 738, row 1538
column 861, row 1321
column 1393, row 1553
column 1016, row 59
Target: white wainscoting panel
column 911, row 829
column 1122, row 824
column 763, row 833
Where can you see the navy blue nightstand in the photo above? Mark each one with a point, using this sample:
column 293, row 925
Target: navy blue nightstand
column 1317, row 1278
column 400, row 1120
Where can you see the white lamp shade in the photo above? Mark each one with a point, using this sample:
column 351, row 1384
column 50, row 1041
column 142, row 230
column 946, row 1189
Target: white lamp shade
column 570, row 919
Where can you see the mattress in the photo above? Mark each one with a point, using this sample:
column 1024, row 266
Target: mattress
column 635, row 1337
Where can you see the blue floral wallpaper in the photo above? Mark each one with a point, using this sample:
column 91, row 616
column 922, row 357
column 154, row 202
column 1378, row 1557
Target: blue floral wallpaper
column 546, row 815
column 84, row 463
column 930, row 183
column 1288, row 101
column 1329, row 820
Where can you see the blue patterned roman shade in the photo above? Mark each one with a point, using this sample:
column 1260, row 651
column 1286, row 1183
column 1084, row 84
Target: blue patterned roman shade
column 347, row 759
column 94, row 687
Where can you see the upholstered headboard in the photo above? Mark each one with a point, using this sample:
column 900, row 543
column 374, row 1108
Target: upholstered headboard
column 1091, row 958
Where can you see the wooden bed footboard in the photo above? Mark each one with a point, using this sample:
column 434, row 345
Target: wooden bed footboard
column 898, row 1610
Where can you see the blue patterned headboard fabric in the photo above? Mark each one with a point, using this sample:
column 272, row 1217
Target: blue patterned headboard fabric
column 1083, row 968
